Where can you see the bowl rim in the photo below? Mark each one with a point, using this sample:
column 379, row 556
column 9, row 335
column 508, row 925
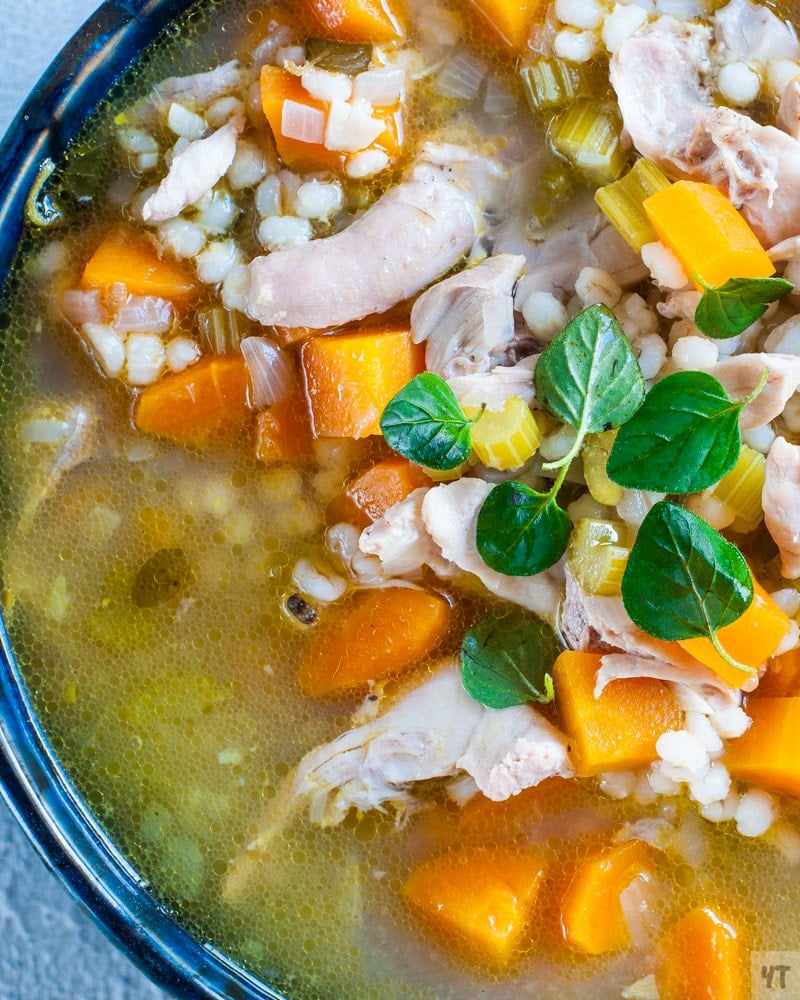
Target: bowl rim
column 38, row 791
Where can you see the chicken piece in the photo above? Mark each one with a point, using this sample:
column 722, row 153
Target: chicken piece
column 788, row 117
column 752, row 33
column 413, row 234
column 437, row 529
column 781, row 502
column 436, row 730
column 741, row 373
column 556, row 254
column 618, row 666
column 200, row 89
column 401, row 542
column 674, row 122
column 468, row 318
column 497, row 385
column 193, row 172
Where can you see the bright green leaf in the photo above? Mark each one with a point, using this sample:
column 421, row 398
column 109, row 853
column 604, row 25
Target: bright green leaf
column 425, row 423
column 729, row 309
column 588, row 376
column 506, row 659
column 683, row 579
column 521, row 532
column 684, row 438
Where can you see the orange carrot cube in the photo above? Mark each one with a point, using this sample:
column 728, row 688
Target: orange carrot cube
column 706, row 233
column 129, row 259
column 284, row 430
column 479, row 899
column 350, row 377
column 619, row 729
column 592, row 917
column 767, row 754
column 372, row 22
column 367, row 497
column 751, row 639
column 703, row 956
column 370, row 636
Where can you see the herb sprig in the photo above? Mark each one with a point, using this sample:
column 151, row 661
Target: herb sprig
column 727, row 310
column 506, row 659
column 684, row 580
column 684, row 438
column 589, row 378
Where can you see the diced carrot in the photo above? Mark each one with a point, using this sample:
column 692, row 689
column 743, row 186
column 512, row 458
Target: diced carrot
column 279, row 85
column 619, row 729
column 206, row 402
column 781, row 677
column 511, row 20
column 370, row 636
column 592, row 917
column 703, row 957
column 284, row 430
column 373, row 491
column 372, row 22
column 768, row 753
column 478, row 899
column 350, row 377
column 751, row 639
column 706, row 233
column 126, row 258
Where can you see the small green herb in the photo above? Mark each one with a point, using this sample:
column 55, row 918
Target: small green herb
column 729, row 309
column 684, row 438
column 588, row 376
column 338, row 57
column 425, row 423
column 684, row 580
column 521, row 532
column 506, row 659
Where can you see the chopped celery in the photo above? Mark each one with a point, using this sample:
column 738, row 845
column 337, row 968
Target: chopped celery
column 551, row 83
column 622, row 202
column 507, row 438
column 338, row 57
column 598, row 554
column 222, row 330
column 596, row 449
column 741, row 490
column 588, row 135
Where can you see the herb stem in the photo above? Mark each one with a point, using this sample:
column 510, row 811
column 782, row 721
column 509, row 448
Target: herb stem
column 761, row 383
column 565, row 461
column 726, row 656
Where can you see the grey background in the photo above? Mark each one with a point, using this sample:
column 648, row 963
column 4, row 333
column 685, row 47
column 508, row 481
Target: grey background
column 49, row 948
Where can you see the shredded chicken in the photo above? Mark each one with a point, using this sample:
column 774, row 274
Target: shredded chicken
column 497, row 385
column 200, row 89
column 788, row 117
column 436, row 527
column 742, row 373
column 468, row 318
column 674, row 122
column 193, row 172
column 434, row 731
column 781, row 502
column 752, row 33
column 408, row 238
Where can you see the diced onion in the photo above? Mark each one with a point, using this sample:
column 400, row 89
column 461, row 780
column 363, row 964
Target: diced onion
column 298, row 121
column 271, row 378
column 381, row 87
column 79, row 306
column 498, row 100
column 461, row 77
column 145, row 314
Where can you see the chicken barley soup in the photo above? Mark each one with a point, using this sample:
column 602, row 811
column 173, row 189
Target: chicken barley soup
column 401, row 526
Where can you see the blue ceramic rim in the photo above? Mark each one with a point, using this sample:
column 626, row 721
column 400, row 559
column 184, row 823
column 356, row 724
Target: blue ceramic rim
column 37, row 790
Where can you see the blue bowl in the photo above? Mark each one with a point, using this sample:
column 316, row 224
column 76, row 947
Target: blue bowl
column 32, row 781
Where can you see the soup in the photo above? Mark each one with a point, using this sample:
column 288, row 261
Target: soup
column 400, row 533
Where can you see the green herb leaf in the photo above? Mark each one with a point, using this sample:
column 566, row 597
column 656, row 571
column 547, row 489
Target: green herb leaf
column 506, row 659
column 338, row 57
column 729, row 309
column 588, row 376
column 684, row 437
column 683, row 579
column 521, row 532
column 425, row 423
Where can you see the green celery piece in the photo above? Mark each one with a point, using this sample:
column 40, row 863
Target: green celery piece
column 551, row 83
column 622, row 202
column 589, row 137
